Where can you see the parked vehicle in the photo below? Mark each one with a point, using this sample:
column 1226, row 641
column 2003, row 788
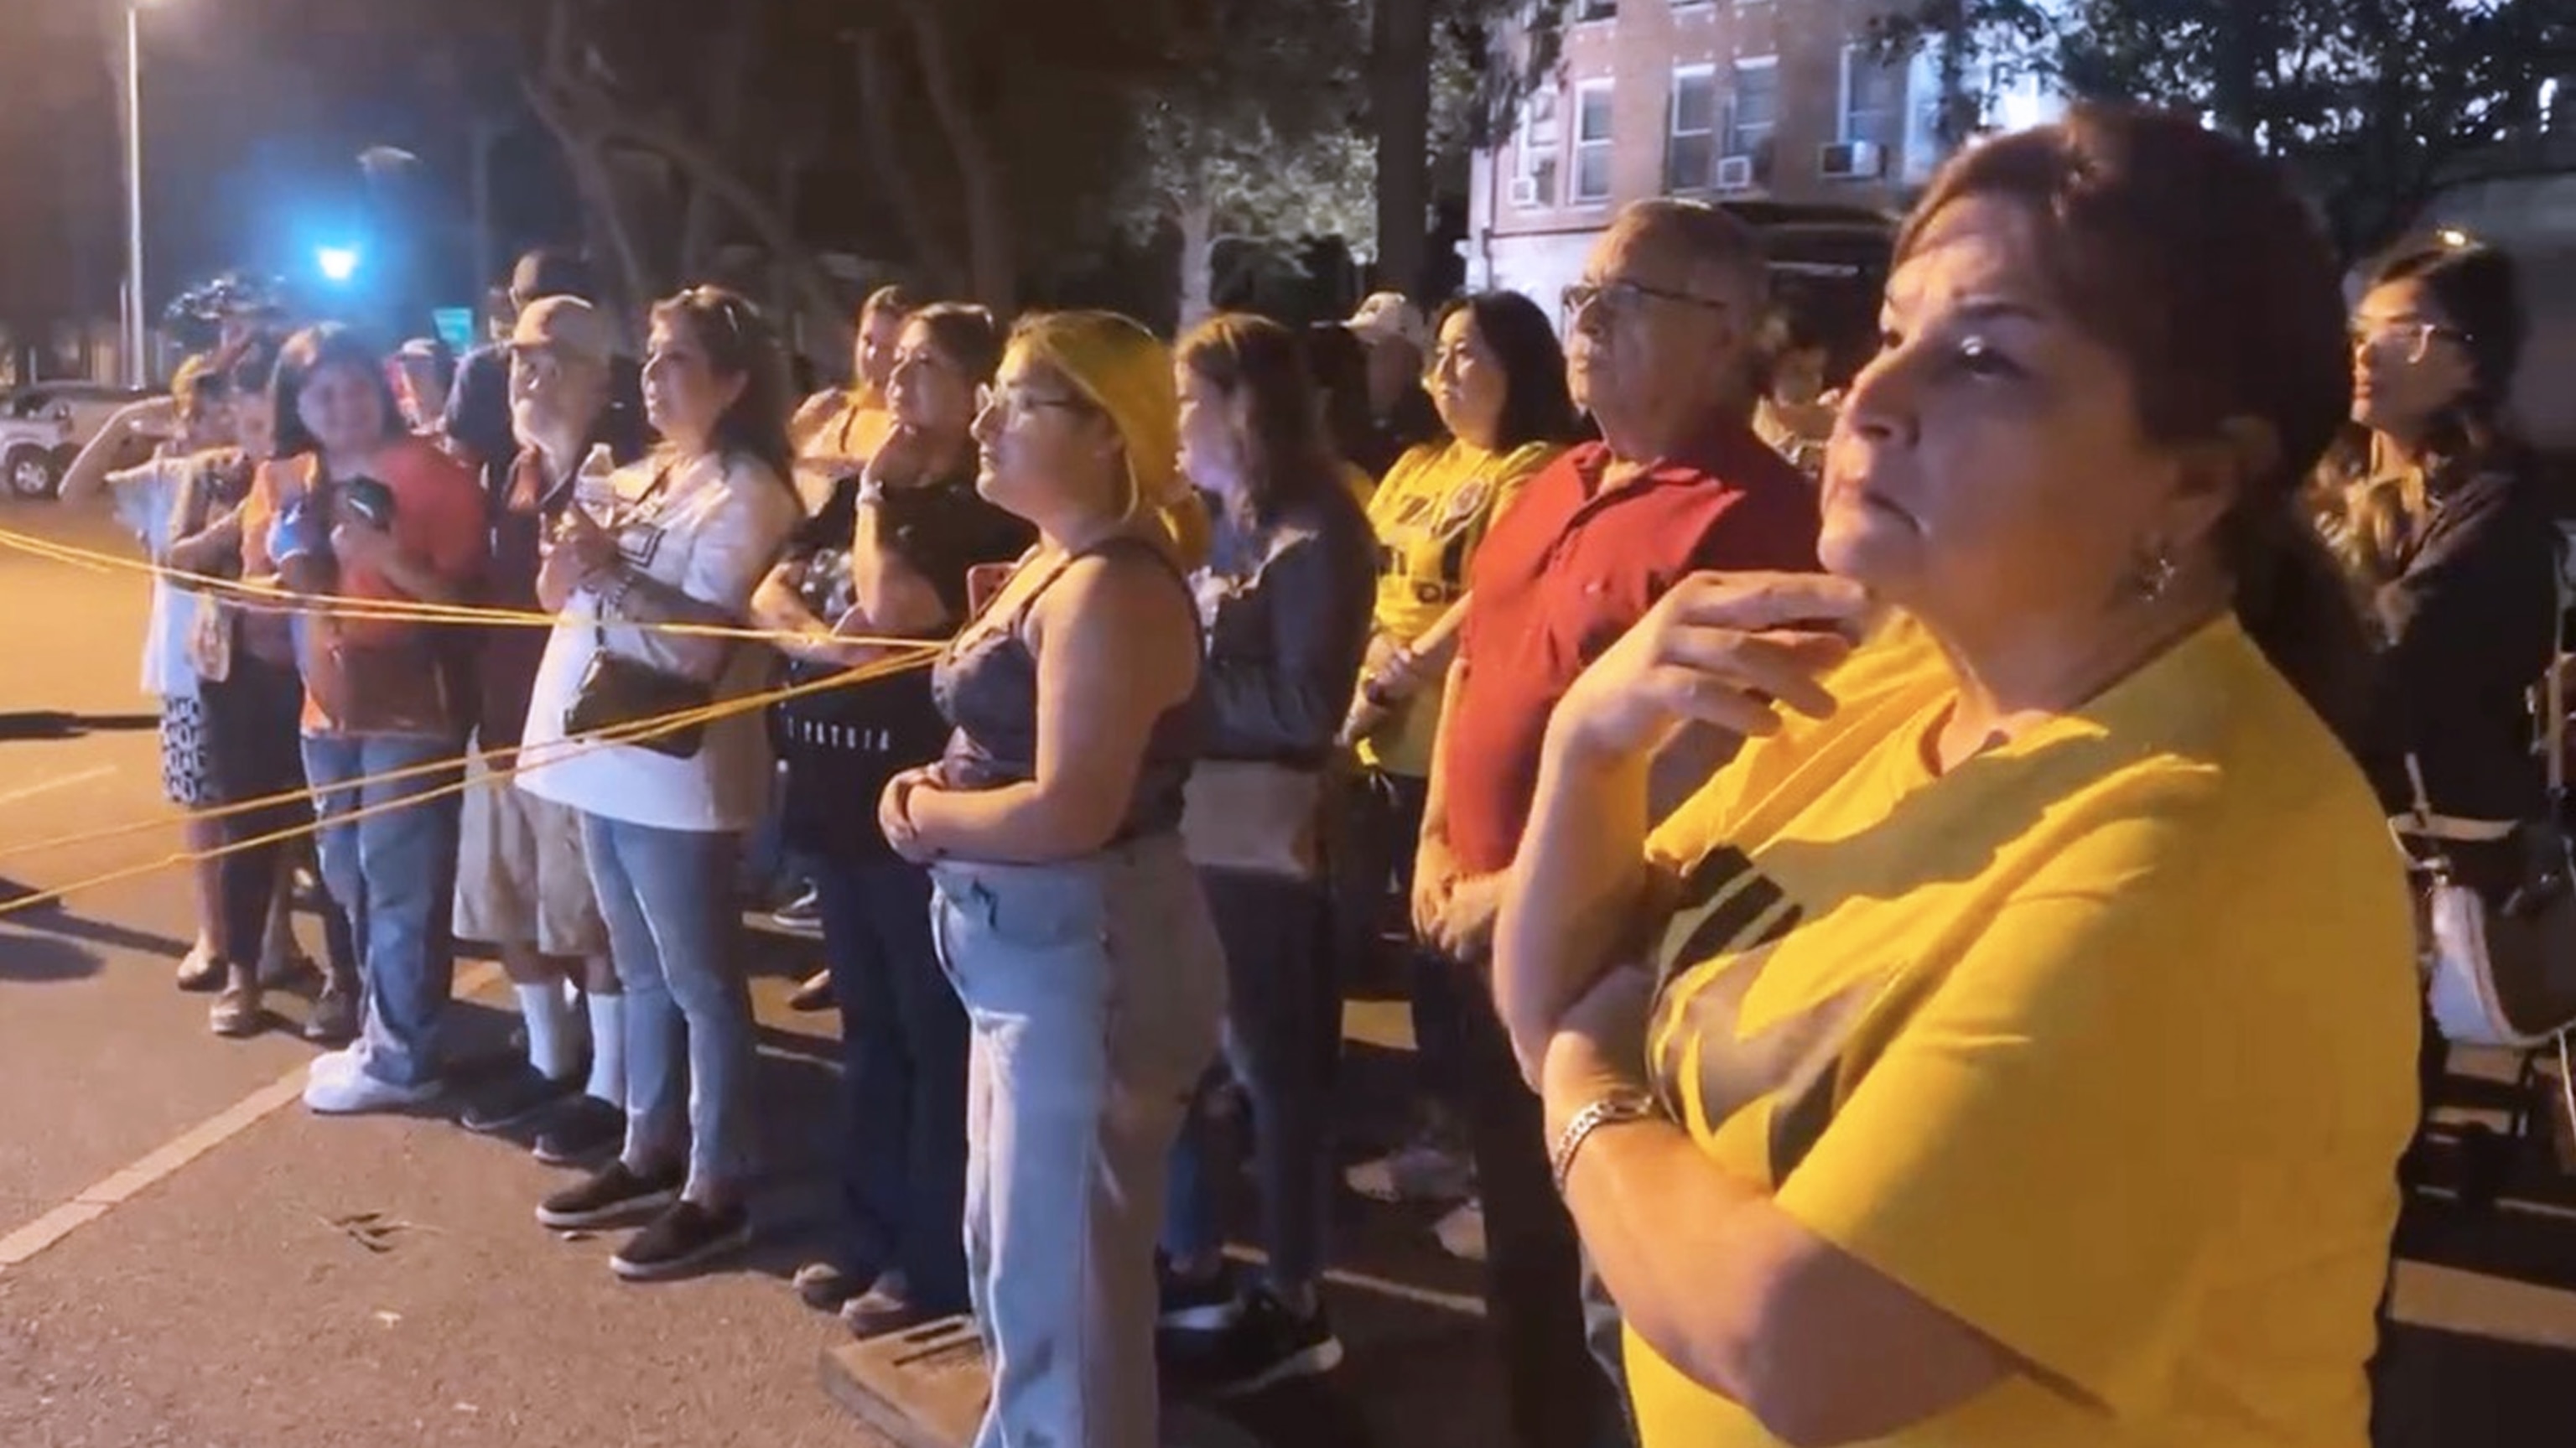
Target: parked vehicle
column 43, row 427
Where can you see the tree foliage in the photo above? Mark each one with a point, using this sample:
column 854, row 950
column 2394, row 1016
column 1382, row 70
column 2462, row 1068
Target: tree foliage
column 1252, row 138
column 2373, row 101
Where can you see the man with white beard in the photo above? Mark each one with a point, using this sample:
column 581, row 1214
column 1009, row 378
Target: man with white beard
column 522, row 882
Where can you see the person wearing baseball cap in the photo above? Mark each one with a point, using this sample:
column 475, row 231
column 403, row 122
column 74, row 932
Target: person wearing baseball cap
column 522, row 881
column 1390, row 327
column 477, row 423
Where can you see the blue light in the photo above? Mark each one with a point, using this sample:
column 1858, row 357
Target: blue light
column 338, row 263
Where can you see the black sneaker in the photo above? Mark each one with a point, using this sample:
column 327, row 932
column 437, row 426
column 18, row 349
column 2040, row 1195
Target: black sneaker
column 684, row 1237
column 1210, row 1304
column 1268, row 1345
column 518, row 1096
column 610, row 1195
column 582, row 1130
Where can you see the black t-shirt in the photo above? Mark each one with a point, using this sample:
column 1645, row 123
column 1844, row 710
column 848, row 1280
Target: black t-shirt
column 842, row 745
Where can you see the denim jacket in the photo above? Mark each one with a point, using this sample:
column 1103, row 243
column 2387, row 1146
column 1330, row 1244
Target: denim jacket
column 1286, row 611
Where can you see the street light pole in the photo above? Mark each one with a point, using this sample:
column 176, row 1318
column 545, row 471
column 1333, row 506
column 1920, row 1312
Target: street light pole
column 138, row 327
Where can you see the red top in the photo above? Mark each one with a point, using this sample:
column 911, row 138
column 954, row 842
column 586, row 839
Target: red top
column 438, row 518
column 1564, row 572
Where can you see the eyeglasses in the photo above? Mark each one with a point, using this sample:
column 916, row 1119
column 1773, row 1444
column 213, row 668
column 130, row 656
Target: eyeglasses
column 2408, row 337
column 1621, row 297
column 1012, row 403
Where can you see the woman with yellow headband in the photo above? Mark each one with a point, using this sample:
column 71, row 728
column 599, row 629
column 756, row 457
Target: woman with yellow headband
column 1067, row 915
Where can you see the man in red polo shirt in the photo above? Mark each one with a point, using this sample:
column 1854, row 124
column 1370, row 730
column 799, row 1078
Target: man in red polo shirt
column 1662, row 354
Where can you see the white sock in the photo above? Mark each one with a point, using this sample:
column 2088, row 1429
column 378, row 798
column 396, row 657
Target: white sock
column 550, row 1043
column 608, row 1049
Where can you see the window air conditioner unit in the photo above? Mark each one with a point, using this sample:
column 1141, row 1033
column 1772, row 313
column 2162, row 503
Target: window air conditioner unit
column 1735, row 173
column 1525, row 191
column 1851, row 161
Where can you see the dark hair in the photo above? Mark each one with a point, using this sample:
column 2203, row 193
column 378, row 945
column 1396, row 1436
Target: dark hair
column 310, row 353
column 1536, row 405
column 252, row 366
column 740, row 342
column 2191, row 257
column 2479, row 293
column 1337, row 363
column 553, row 271
column 893, row 297
column 965, row 334
column 1287, row 462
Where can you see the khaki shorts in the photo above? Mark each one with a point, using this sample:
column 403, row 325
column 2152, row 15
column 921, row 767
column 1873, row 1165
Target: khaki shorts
column 521, row 876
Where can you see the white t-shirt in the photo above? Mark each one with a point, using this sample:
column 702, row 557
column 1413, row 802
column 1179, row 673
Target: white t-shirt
column 144, row 498
column 712, row 531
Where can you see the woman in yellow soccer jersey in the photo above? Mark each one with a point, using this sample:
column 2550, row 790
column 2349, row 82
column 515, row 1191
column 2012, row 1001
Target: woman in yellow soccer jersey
column 2027, row 1039
column 1497, row 377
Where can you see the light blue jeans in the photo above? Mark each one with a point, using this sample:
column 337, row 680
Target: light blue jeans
column 673, row 932
column 1095, row 989
column 394, row 875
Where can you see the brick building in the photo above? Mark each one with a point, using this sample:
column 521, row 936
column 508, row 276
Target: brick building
column 1732, row 100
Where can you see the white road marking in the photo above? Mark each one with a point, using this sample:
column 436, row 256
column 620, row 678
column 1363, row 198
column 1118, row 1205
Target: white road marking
column 60, row 781
column 164, row 1161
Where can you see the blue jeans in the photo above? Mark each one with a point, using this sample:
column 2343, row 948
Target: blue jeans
column 1283, row 1025
column 673, row 928
column 1094, row 988
column 394, row 874
column 903, row 1081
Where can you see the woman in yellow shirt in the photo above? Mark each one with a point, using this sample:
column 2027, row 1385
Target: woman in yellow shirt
column 1497, row 377
column 2027, row 1040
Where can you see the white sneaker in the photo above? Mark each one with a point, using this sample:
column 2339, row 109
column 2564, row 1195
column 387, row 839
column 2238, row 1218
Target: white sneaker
column 1462, row 1232
column 357, row 1092
column 337, row 1065
column 1419, row 1172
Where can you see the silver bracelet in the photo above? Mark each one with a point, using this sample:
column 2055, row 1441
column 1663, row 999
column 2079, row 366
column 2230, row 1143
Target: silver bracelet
column 1616, row 1109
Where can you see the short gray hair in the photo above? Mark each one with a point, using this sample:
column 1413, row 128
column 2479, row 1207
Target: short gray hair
column 1714, row 242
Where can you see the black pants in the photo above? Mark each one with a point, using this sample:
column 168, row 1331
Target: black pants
column 1558, row 1392
column 254, row 744
column 1377, row 835
column 903, row 1081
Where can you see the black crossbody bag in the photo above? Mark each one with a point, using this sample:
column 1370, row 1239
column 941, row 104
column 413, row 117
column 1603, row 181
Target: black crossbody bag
column 617, row 692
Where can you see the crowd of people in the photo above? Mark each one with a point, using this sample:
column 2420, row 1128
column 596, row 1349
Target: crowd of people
column 1903, row 937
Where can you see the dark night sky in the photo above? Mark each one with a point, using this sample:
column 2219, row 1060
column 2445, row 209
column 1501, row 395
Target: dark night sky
column 254, row 113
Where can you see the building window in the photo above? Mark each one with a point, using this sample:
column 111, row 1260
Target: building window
column 1592, row 141
column 1542, row 143
column 1690, row 151
column 1873, row 99
column 1753, row 108
column 1596, row 10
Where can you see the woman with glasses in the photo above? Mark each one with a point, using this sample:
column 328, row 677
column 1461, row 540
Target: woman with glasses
column 1498, row 380
column 682, row 537
column 1067, row 914
column 891, row 554
column 2459, row 552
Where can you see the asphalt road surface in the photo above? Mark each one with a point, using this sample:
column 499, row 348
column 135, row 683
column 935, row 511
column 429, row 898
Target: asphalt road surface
column 188, row 1259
